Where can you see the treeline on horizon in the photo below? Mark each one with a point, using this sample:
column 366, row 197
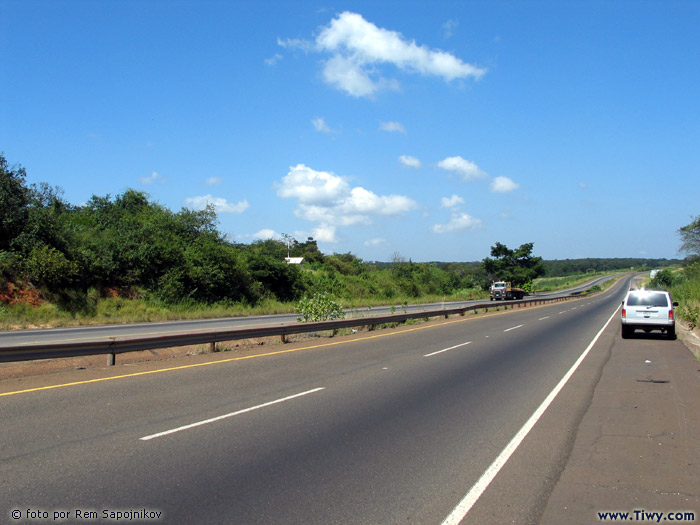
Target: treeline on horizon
column 134, row 247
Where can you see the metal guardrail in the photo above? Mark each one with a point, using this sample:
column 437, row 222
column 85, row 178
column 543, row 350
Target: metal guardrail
column 115, row 345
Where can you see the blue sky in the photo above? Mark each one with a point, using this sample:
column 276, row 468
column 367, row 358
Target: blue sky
column 431, row 129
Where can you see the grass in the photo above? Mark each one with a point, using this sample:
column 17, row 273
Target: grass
column 687, row 293
column 552, row 284
column 685, row 289
column 121, row 310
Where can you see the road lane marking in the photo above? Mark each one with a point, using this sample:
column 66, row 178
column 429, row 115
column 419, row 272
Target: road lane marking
column 448, row 349
column 225, row 416
column 513, row 328
column 464, row 506
column 543, row 318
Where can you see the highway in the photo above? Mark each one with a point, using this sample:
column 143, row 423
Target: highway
column 81, row 333
column 379, row 427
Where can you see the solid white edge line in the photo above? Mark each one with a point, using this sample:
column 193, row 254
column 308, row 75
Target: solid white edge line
column 463, row 507
column 446, row 349
column 513, row 328
column 218, row 418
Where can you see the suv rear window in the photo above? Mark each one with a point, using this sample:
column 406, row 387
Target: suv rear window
column 648, row 299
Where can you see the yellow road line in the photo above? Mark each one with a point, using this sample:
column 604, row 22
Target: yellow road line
column 183, row 367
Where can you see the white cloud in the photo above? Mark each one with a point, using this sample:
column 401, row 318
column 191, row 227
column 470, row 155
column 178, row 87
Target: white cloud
column 377, row 241
column 153, row 179
column 329, row 201
column 503, row 185
column 409, row 161
column 266, row 234
column 451, row 202
column 392, row 127
column 296, row 43
column 221, row 205
column 325, row 233
column 311, row 186
column 466, row 168
column 458, row 221
column 359, row 48
column 273, row 59
column 320, row 125
column 345, row 74
column 211, row 181
column 448, row 28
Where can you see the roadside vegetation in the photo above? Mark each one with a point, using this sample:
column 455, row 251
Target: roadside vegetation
column 683, row 282
column 545, row 284
column 127, row 258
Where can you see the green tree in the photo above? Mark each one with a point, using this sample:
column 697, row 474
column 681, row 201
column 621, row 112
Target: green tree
column 690, row 235
column 518, row 266
column 14, row 199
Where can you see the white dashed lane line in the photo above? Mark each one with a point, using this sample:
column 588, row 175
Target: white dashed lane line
column 226, row 416
column 448, row 349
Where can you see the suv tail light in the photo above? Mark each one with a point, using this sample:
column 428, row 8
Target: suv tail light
column 670, row 315
column 624, row 313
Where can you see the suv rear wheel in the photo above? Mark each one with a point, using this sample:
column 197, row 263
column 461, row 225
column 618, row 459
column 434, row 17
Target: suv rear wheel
column 671, row 332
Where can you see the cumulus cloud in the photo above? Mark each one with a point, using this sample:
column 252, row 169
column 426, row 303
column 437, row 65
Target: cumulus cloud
column 310, row 186
column 409, row 161
column 330, row 201
column 465, row 168
column 220, row 204
column 458, row 221
column 503, row 185
column 451, row 202
column 359, row 49
column 266, row 234
column 325, row 233
column 392, row 127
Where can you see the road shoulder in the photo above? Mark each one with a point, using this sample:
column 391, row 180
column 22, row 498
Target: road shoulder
column 637, row 447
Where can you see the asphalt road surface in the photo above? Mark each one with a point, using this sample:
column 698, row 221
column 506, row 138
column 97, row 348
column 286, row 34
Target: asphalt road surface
column 380, row 427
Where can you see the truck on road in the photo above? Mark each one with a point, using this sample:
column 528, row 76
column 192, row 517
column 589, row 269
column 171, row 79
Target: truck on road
column 504, row 291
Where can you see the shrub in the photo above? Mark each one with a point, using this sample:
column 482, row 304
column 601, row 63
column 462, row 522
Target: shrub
column 319, row 307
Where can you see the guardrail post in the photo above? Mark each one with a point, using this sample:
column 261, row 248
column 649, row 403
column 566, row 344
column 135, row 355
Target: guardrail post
column 283, row 338
column 111, row 358
column 212, row 347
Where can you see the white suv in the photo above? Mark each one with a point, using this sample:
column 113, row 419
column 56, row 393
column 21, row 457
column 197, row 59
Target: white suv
column 648, row 310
